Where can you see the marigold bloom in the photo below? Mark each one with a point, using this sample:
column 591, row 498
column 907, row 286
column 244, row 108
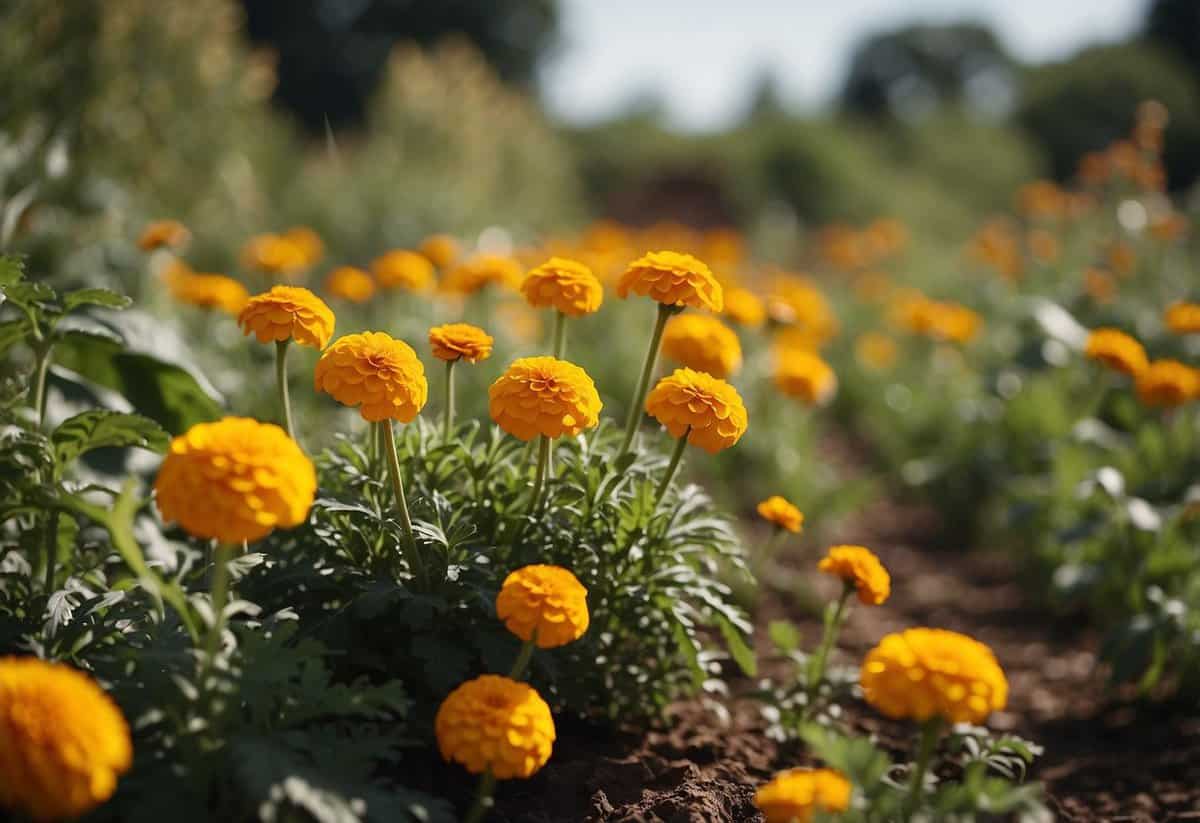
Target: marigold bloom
column 921, row 673
column 707, row 408
column 350, row 283
column 379, row 374
column 876, row 351
column 274, row 254
column 859, row 566
column 744, row 307
column 439, row 249
column 795, row 795
column 704, row 343
column 672, row 279
column 548, row 599
column 564, row 285
column 288, row 313
column 1116, row 350
column 781, row 513
column 403, row 269
column 460, row 341
column 235, row 480
column 796, row 302
column 163, row 234
column 481, row 271
column 1167, row 383
column 497, row 724
column 310, row 244
column 63, row 742
column 546, row 396
column 1183, row 318
column 805, row 376
column 208, row 291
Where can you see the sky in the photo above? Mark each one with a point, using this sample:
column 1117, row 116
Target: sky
column 701, row 55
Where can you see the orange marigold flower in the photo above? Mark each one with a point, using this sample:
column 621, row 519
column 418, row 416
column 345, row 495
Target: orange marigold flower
column 547, row 599
column 481, row 271
column 460, row 341
column 274, row 254
column 744, row 307
column 781, row 513
column 63, row 742
column 495, row 724
column 208, row 291
column 546, row 396
column 1116, row 350
column 706, row 408
column 795, row 795
column 163, row 234
column 805, row 376
column 403, row 269
column 704, row 343
column 1167, row 383
column 350, row 283
column 858, row 566
column 1183, row 318
column 672, row 279
column 564, row 285
column 379, row 374
column 796, row 302
column 440, row 249
column 235, row 480
column 288, row 313
column 876, row 351
column 311, row 247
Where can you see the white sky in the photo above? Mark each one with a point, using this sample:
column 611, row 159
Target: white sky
column 700, row 55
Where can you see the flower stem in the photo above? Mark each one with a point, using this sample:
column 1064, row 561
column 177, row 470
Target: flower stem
column 560, row 334
column 483, row 798
column 39, row 388
column 281, row 352
column 524, row 657
column 410, row 541
column 672, row 467
column 639, row 397
column 539, row 479
column 930, row 732
column 833, row 624
column 448, row 412
column 220, row 596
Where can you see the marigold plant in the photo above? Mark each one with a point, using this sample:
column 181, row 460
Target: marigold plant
column 350, row 283
column 164, row 234
column 673, row 279
column 1116, row 350
column 403, row 269
column 208, row 291
column 805, row 376
column 1167, row 383
column 440, row 249
column 548, row 600
column 796, row 795
column 780, row 513
column 497, row 725
column 858, row 566
column 706, row 409
column 544, row 396
column 481, row 271
column 460, row 341
column 1183, row 318
column 704, row 343
column 744, row 307
column 567, row 286
column 274, row 254
column 288, row 313
column 380, row 375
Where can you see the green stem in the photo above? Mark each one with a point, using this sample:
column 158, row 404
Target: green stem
column 639, row 397
column 51, row 547
column 483, row 798
column 39, row 388
column 672, row 467
column 220, row 596
column 448, row 412
column 560, row 334
column 539, row 479
column 930, row 732
column 281, row 352
column 410, row 541
column 524, row 657
column 816, row 670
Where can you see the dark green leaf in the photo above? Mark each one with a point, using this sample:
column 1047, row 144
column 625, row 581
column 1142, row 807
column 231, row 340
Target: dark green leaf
column 12, row 271
column 94, row 297
column 99, row 428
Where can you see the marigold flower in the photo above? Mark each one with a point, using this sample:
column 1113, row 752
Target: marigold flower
column 859, row 566
column 493, row 723
column 546, row 396
column 350, row 283
column 796, row 302
column 704, row 343
column 672, row 279
column 1167, row 383
column 805, row 376
column 63, row 742
column 310, row 244
column 795, row 795
column 707, row 408
column 274, row 254
column 403, row 269
column 235, row 480
column 1116, row 350
column 744, row 307
column 876, row 351
column 460, row 341
column 288, row 313
column 481, row 271
column 1183, row 318
column 379, row 374
column 565, row 285
column 781, row 513
column 921, row 673
column 548, row 599
column 163, row 234
column 208, row 291
column 439, row 249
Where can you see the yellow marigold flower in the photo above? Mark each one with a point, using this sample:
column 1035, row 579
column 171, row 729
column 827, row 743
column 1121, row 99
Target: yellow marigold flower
column 1183, row 318
column 859, row 566
column 876, row 351
column 781, row 513
column 548, row 599
column 565, row 285
column 744, row 307
column 311, row 247
column 63, row 742
column 233, row 480
column 672, row 279
column 707, row 408
column 274, row 254
column 481, row 271
column 493, row 723
column 163, row 234
column 805, row 376
column 439, row 249
column 544, row 395
column 350, row 283
column 704, row 343
column 1167, row 383
column 460, row 341
column 288, row 313
column 922, row 673
column 1116, row 350
column 795, row 795
column 403, row 269
column 208, row 291
column 379, row 374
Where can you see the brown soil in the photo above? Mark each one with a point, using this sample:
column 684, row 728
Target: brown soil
column 1105, row 758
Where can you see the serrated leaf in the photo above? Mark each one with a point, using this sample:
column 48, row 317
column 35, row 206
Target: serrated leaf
column 12, row 271
column 28, row 294
column 107, row 298
column 100, row 428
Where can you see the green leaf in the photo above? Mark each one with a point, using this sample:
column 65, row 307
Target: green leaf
column 13, row 332
column 101, row 428
column 107, row 298
column 12, row 271
column 784, row 635
column 742, row 654
column 29, row 295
